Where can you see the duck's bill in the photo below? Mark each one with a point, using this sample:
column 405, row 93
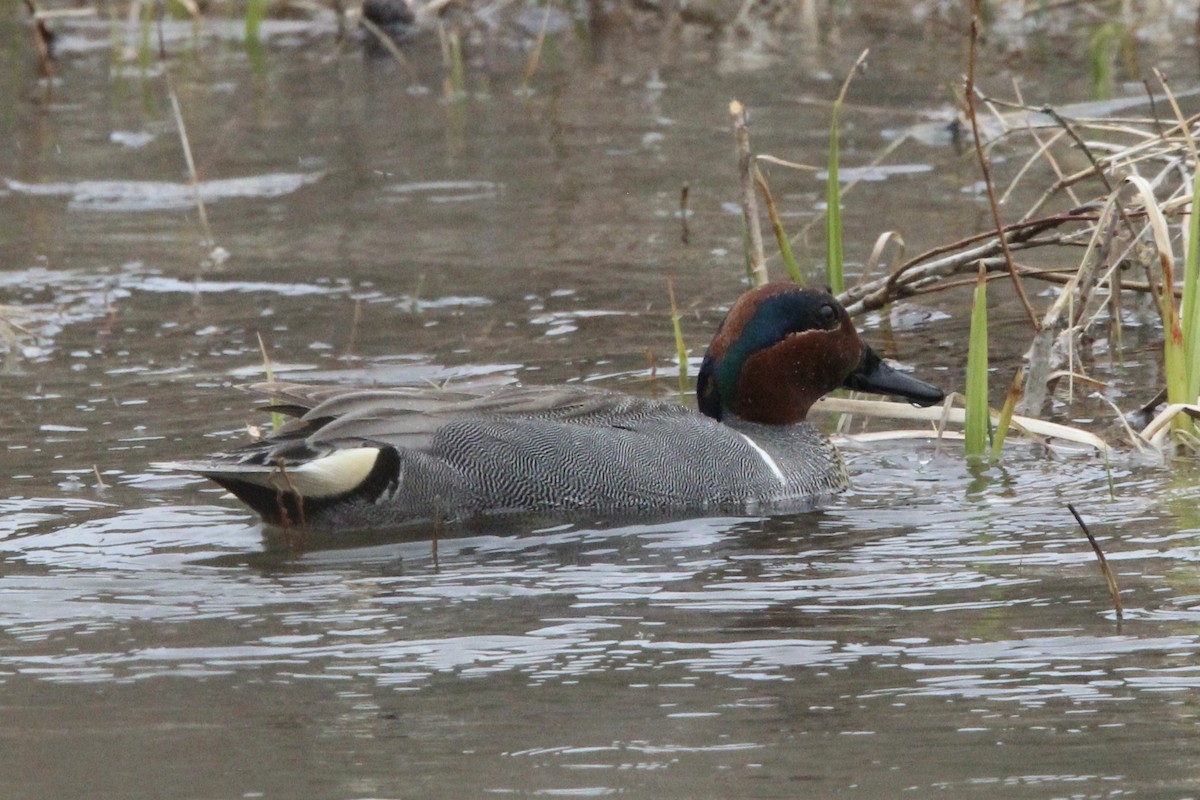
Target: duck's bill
column 873, row 375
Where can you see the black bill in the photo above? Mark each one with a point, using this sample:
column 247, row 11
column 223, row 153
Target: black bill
column 873, row 375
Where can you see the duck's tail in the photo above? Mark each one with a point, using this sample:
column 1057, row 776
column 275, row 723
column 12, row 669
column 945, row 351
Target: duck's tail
column 288, row 494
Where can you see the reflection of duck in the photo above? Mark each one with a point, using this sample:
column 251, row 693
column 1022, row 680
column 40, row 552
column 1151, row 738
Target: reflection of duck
column 394, row 18
column 358, row 457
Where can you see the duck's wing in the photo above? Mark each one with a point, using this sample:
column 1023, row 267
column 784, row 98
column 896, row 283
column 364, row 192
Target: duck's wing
column 325, row 419
column 408, row 418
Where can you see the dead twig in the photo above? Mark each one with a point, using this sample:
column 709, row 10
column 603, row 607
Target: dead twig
column 986, row 170
column 1109, row 578
column 43, row 42
column 757, row 260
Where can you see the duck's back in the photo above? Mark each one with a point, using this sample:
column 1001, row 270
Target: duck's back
column 444, row 455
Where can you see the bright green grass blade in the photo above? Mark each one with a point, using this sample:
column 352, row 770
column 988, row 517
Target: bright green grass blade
column 977, row 415
column 785, row 246
column 680, row 349
column 1102, row 54
column 255, row 11
column 833, row 210
column 1191, row 297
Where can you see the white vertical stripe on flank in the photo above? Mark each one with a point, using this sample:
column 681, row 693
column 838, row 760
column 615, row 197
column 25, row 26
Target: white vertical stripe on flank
column 766, row 457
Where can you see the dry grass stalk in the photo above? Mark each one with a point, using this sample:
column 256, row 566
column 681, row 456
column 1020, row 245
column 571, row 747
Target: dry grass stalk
column 985, row 169
column 397, row 55
column 1113, row 590
column 191, row 163
column 43, row 41
column 683, row 212
column 758, row 265
column 1124, row 210
column 535, row 55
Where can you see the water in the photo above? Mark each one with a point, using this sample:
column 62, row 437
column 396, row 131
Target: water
column 938, row 630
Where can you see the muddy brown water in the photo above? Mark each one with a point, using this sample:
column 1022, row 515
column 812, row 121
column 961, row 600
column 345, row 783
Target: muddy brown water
column 937, row 631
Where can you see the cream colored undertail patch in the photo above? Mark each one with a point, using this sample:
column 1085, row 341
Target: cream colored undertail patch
column 339, row 472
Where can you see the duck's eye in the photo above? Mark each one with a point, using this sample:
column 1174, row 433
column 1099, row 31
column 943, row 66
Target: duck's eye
column 828, row 315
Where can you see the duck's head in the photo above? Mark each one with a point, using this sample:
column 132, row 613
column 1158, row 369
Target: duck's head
column 781, row 348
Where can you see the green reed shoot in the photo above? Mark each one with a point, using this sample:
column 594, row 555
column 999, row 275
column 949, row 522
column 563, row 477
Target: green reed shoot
column 145, row 52
column 785, row 246
column 977, row 414
column 1175, row 349
column 833, row 209
column 256, row 10
column 276, row 417
column 1191, row 296
column 680, row 349
column 458, row 75
column 834, row 259
column 1181, row 350
column 1102, row 53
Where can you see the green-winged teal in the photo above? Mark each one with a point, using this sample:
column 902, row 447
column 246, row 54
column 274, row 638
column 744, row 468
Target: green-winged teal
column 360, row 457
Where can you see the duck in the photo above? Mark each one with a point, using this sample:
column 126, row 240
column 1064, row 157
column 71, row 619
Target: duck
column 369, row 457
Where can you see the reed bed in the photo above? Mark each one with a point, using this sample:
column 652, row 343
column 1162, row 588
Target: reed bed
column 1126, row 221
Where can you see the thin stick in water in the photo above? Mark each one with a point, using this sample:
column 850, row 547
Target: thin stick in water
column 683, row 210
column 535, row 56
column 386, row 42
column 43, row 41
column 985, row 169
column 191, row 163
column 1109, row 577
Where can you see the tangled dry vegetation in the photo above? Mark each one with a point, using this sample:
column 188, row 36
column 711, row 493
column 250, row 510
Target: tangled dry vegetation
column 1123, row 220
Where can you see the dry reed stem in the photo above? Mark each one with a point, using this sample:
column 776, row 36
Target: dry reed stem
column 985, row 169
column 43, row 41
column 535, row 56
column 394, row 51
column 881, row 243
column 1109, row 578
column 758, row 266
column 948, row 413
column 191, row 162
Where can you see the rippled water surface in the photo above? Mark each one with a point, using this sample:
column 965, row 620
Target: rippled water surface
column 938, row 631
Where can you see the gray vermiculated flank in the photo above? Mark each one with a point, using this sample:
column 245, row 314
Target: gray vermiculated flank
column 575, row 449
